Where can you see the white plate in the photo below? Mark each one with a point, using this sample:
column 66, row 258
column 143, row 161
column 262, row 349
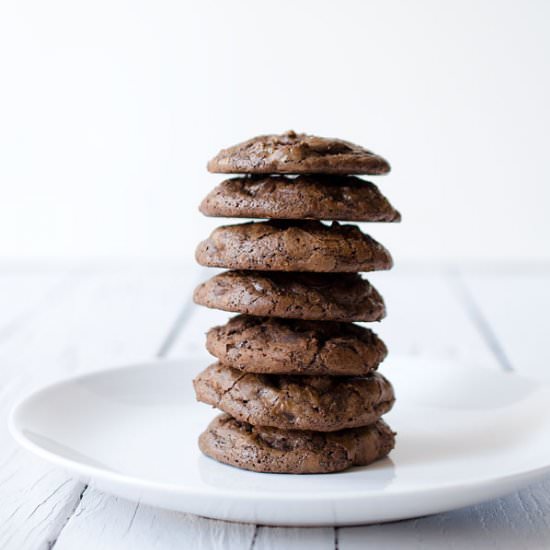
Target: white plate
column 465, row 435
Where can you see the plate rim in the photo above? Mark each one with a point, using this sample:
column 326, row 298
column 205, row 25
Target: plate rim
column 516, row 478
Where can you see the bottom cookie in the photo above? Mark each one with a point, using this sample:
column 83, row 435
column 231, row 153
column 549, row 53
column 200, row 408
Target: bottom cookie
column 263, row 449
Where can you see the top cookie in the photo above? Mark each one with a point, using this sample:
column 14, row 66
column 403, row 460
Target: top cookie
column 292, row 153
column 317, row 197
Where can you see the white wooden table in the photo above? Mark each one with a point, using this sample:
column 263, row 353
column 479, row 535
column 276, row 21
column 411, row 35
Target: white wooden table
column 57, row 321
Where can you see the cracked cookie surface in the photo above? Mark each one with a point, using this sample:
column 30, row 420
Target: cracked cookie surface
column 310, row 296
column 293, row 153
column 319, row 403
column 264, row 449
column 318, row 197
column 288, row 346
column 300, row 245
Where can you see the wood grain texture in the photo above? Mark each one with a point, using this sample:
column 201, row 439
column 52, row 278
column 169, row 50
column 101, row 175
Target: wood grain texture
column 518, row 521
column 97, row 319
column 104, row 522
column 23, row 294
column 294, row 538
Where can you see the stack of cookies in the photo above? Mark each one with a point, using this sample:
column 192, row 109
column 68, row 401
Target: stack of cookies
column 296, row 378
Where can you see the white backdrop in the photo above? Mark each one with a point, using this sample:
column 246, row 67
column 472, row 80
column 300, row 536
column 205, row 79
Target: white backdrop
column 109, row 111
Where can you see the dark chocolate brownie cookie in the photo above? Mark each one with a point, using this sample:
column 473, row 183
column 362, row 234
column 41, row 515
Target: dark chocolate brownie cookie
column 292, row 153
column 263, row 449
column 290, row 346
column 311, row 296
column 319, row 403
column 345, row 198
column 282, row 245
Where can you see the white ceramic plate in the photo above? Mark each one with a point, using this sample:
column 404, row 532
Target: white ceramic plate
column 464, row 435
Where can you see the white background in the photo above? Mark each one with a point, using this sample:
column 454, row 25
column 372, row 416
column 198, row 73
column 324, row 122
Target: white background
column 109, row 111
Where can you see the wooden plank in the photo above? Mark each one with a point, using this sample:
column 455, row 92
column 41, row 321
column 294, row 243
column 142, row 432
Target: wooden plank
column 107, row 317
column 192, row 337
column 521, row 520
column 280, row 538
column 516, row 304
column 426, row 317
column 105, row 521
column 22, row 292
column 496, row 303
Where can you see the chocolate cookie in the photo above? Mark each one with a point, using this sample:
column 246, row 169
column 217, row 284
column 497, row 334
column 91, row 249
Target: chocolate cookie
column 289, row 346
column 292, row 153
column 305, row 197
column 319, row 403
column 263, row 449
column 311, row 296
column 282, row 245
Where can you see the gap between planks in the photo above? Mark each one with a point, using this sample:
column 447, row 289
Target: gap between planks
column 473, row 309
